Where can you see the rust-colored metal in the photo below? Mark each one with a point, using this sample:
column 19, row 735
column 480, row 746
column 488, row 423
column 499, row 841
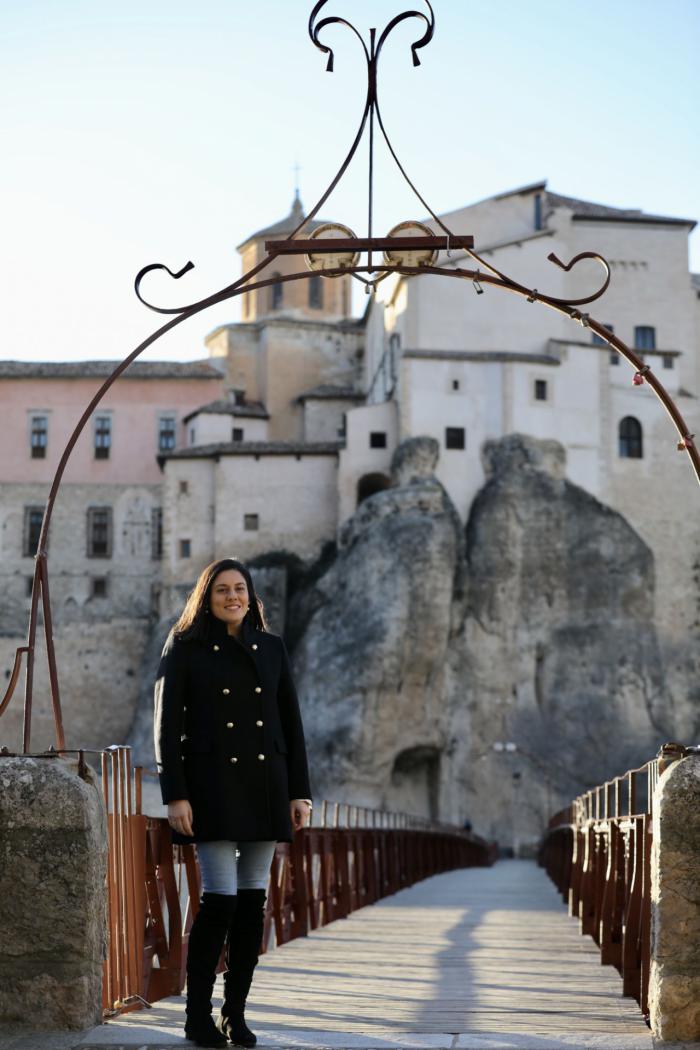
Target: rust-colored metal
column 330, row 869
column 366, row 244
column 483, row 273
column 598, row 854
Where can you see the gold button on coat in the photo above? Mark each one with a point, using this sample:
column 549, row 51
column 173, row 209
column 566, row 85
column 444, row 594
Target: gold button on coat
column 233, row 758
column 253, row 646
column 258, row 689
column 225, row 691
column 258, row 723
column 229, row 725
column 261, row 757
column 216, row 648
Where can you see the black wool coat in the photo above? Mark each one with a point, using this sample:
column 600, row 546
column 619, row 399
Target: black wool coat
column 229, row 736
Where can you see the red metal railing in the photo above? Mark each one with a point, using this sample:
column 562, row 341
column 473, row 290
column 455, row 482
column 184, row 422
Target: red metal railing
column 598, row 853
column 349, row 857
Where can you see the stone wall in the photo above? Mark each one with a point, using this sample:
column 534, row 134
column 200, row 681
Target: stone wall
column 53, row 864
column 99, row 666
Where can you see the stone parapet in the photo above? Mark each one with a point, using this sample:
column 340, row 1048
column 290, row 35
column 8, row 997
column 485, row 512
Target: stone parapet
column 53, row 864
column 674, row 988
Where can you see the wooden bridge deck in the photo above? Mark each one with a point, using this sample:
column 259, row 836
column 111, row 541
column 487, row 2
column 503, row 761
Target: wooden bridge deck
column 477, row 958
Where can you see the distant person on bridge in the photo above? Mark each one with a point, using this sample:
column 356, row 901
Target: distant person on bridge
column 233, row 770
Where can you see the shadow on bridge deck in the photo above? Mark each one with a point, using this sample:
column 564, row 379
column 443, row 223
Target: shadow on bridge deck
column 477, row 958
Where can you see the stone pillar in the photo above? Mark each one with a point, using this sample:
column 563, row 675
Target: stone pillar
column 674, row 987
column 53, row 902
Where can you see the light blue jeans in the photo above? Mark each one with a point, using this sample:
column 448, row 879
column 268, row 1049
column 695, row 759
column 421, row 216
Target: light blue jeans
column 222, row 874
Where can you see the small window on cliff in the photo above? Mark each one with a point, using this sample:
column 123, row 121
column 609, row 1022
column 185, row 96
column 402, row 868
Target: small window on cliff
column 185, row 548
column 540, row 390
column 251, row 522
column 455, row 437
column 630, row 438
column 377, row 439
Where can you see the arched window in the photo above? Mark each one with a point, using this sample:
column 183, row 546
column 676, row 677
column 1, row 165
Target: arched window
column 276, row 293
column 630, row 433
column 316, row 292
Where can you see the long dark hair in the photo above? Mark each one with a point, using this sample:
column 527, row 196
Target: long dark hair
column 195, row 617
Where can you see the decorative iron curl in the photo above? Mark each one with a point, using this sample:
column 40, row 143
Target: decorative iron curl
column 209, row 300
column 533, row 294
column 316, row 27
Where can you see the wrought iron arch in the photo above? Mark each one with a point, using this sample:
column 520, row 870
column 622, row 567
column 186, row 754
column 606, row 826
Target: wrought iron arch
column 478, row 274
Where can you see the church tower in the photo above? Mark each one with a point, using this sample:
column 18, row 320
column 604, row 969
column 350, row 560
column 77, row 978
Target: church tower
column 315, row 298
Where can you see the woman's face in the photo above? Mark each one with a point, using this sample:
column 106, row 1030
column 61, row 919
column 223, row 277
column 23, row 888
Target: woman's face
column 228, row 597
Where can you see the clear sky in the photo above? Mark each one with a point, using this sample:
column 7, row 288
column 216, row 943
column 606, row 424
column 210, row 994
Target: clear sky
column 135, row 132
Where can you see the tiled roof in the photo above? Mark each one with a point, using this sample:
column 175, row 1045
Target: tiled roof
column 592, row 210
column 328, row 390
column 248, row 410
column 102, row 369
column 490, row 356
column 257, row 448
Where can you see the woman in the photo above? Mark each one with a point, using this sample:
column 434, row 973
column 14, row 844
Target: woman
column 232, row 761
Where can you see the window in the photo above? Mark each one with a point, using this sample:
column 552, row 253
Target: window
column 597, row 339
column 377, row 439
column 184, row 488
column 276, row 293
column 668, row 362
column 157, row 532
column 98, row 587
column 99, row 532
column 103, row 436
column 185, row 548
column 251, row 522
column 33, row 517
column 630, row 435
column 192, row 435
column 455, row 384
column 28, row 585
column 237, row 434
column 39, row 436
column 540, row 390
column 455, row 437
column 166, row 433
column 316, row 292
column 644, row 337
column 538, row 211
column 614, row 357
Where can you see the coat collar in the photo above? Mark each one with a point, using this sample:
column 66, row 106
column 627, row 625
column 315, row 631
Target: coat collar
column 217, row 632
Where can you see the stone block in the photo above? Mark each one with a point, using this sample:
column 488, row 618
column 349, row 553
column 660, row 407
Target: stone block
column 53, row 863
column 674, row 987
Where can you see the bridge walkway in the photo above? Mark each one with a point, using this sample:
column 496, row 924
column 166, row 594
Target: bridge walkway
column 475, row 959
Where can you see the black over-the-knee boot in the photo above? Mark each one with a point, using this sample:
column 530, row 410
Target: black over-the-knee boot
column 207, row 936
column 244, row 940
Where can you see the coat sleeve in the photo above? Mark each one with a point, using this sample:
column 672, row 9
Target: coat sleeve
column 168, row 719
column 290, row 716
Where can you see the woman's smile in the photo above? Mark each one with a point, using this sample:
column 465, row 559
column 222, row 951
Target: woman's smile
column 229, row 598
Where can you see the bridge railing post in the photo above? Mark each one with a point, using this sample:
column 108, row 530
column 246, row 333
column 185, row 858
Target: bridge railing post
column 674, row 979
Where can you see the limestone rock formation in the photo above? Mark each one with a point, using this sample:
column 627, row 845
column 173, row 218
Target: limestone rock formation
column 423, row 647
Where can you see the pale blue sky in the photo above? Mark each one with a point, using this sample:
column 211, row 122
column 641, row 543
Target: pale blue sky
column 164, row 131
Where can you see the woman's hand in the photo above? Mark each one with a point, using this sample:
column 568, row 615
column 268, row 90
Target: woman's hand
column 180, row 816
column 300, row 811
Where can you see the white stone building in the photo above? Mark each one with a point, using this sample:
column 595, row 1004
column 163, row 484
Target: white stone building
column 329, row 399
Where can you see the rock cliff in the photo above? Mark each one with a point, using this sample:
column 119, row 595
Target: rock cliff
column 423, row 645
